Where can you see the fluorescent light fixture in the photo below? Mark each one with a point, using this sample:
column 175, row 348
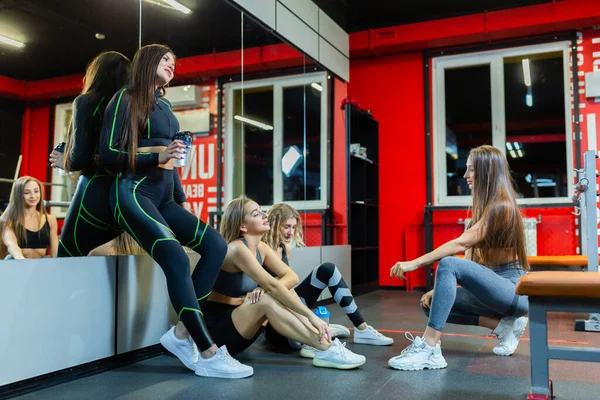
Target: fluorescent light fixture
column 513, row 154
column 12, row 42
column 509, row 146
column 529, row 100
column 526, row 72
column 317, row 86
column 178, row 6
column 254, row 123
column 171, row 5
column 517, row 146
column 290, row 160
column 520, row 153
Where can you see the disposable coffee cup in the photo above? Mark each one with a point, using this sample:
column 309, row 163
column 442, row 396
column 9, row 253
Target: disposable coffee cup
column 186, row 138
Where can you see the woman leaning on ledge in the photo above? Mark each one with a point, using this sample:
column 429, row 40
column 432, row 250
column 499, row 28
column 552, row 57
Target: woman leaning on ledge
column 27, row 230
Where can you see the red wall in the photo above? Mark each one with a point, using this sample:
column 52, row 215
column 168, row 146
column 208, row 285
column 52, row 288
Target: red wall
column 392, row 88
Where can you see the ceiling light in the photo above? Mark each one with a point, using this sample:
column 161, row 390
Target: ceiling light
column 170, row 4
column 253, row 122
column 12, row 42
column 509, row 146
column 513, row 154
column 100, row 36
column 526, row 72
column 529, row 100
column 317, row 86
column 178, row 7
column 517, row 146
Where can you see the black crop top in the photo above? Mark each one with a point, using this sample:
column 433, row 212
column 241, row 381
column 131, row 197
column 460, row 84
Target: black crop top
column 284, row 256
column 236, row 284
column 159, row 131
column 37, row 240
column 86, row 127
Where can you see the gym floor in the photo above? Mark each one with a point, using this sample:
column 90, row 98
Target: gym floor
column 473, row 372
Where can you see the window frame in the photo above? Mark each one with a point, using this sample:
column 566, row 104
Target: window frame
column 493, row 58
column 278, row 85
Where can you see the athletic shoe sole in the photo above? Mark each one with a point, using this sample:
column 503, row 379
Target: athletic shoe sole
column 518, row 332
column 168, row 344
column 440, row 365
column 373, row 342
column 307, row 353
column 317, row 362
column 216, row 374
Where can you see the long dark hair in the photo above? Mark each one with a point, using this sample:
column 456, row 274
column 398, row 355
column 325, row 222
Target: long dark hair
column 495, row 204
column 104, row 75
column 14, row 215
column 141, row 95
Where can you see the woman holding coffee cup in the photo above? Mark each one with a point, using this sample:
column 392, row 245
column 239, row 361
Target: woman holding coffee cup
column 137, row 144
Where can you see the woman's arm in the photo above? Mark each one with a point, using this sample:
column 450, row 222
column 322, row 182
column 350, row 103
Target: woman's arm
column 116, row 114
column 82, row 149
column 11, row 243
column 246, row 261
column 459, row 245
column 286, row 275
column 53, row 235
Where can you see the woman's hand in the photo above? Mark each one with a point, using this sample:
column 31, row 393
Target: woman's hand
column 322, row 327
column 255, row 295
column 401, row 268
column 426, row 299
column 175, row 149
column 57, row 160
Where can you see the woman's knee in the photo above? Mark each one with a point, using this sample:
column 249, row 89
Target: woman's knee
column 326, row 271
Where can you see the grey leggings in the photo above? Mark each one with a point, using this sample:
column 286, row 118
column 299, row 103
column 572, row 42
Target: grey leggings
column 484, row 291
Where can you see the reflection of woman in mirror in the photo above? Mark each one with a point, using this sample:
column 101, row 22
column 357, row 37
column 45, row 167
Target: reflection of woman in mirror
column 246, row 295
column 89, row 222
column 137, row 143
column 286, row 227
column 495, row 260
column 27, row 230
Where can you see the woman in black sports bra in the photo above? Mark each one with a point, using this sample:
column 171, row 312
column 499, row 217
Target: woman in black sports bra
column 245, row 294
column 27, row 230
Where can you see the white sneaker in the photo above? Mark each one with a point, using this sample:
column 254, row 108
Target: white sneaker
column 371, row 336
column 338, row 356
column 222, row 365
column 508, row 332
column 419, row 355
column 307, row 351
column 339, row 331
column 184, row 349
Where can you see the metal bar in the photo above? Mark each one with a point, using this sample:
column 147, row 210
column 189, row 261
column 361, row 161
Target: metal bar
column 49, row 203
column 591, row 213
column 567, row 304
column 574, row 354
column 538, row 332
column 18, row 169
column 219, row 143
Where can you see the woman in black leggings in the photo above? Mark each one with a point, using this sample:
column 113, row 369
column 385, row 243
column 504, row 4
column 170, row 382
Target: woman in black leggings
column 89, row 222
column 137, row 143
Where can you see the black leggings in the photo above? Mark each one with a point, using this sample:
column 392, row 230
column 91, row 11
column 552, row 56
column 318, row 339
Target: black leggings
column 89, row 222
column 326, row 275
column 143, row 205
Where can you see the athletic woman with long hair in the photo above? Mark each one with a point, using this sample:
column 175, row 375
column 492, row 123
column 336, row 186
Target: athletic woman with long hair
column 286, row 228
column 26, row 229
column 254, row 285
column 495, row 259
column 137, row 144
column 89, row 222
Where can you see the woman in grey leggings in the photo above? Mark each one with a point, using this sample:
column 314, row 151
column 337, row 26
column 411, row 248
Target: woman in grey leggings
column 495, row 259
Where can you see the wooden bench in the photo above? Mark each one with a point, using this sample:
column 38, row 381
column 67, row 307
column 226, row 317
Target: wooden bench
column 565, row 291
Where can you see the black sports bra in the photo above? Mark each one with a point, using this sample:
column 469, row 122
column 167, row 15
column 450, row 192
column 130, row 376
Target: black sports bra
column 236, row 284
column 37, row 240
column 284, row 256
